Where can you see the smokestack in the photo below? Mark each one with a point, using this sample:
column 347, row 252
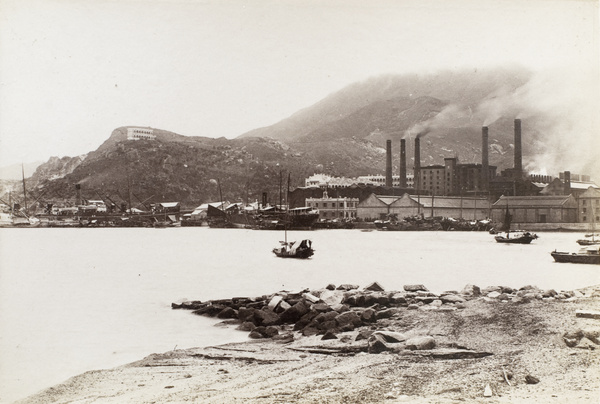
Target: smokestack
column 78, row 194
column 518, row 150
column 388, row 165
column 417, row 168
column 567, row 183
column 485, row 161
column 402, row 163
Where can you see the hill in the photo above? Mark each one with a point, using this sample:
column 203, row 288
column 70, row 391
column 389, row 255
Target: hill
column 342, row 135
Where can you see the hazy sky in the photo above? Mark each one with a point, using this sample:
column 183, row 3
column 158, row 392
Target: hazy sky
column 71, row 71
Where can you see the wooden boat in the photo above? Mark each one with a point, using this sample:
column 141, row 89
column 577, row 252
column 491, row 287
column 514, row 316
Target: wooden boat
column 515, row 236
column 589, row 255
column 292, row 250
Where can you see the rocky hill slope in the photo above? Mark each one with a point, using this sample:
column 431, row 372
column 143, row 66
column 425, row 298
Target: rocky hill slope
column 342, row 135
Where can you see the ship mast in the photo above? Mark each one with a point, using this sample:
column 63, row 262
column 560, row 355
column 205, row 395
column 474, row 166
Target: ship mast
column 24, row 189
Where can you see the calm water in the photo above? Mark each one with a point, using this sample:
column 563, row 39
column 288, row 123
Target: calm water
column 73, row 300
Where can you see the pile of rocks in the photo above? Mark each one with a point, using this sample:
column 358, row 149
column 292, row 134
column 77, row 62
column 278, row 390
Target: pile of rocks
column 333, row 310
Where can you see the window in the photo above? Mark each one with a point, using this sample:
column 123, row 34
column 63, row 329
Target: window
column 584, row 201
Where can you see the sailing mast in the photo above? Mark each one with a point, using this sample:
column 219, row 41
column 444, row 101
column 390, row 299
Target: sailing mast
column 24, row 189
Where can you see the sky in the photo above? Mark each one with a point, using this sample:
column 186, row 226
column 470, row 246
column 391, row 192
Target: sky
column 72, row 71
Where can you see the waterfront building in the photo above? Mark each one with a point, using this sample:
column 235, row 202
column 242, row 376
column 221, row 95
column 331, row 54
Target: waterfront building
column 140, row 133
column 536, row 209
column 382, row 206
column 453, row 178
column 334, row 207
column 588, row 206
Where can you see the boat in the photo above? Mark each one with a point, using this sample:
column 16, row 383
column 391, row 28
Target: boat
column 291, row 249
column 514, row 236
column 590, row 239
column 587, row 255
column 295, row 250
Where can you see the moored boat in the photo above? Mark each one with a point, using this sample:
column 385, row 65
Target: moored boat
column 588, row 255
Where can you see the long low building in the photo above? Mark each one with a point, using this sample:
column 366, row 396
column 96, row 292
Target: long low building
column 380, row 206
column 536, row 209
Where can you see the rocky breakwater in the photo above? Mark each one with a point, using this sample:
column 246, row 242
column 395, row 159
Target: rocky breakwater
column 372, row 319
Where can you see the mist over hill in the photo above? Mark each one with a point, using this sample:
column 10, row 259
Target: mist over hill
column 343, row 134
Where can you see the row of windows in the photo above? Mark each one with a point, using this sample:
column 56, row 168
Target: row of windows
column 584, row 201
column 333, row 204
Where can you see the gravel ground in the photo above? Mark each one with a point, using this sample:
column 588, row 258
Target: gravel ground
column 528, row 342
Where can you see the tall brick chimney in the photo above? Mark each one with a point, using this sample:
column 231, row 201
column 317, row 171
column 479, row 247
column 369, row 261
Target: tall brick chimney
column 402, row 163
column 485, row 162
column 518, row 150
column 388, row 165
column 417, row 168
column 567, row 190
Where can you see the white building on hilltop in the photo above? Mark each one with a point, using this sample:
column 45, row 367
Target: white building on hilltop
column 140, row 133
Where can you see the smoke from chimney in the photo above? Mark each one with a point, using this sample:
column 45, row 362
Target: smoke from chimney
column 485, row 161
column 402, row 163
column 388, row 164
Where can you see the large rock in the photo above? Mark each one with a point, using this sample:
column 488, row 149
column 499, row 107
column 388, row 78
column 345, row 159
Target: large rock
column 332, row 297
column 295, row 313
column 420, row 343
column 347, row 286
column 348, row 317
column 471, row 290
column 415, row 288
column 382, row 341
column 266, row 317
column 452, row 299
column 375, row 287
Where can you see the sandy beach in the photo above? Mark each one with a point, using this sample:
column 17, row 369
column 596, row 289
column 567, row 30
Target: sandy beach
column 538, row 346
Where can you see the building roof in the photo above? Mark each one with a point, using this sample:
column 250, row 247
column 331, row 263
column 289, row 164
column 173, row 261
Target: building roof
column 527, row 201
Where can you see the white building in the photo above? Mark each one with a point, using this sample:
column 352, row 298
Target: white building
column 327, row 181
column 334, row 208
column 140, row 133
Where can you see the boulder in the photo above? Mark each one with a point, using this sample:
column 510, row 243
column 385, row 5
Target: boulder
column 274, row 302
column 471, row 290
column 452, row 299
column 246, row 326
column 331, row 286
column 389, row 336
column 415, row 288
column 245, row 314
column 347, row 286
column 420, row 343
column 398, row 298
column 329, row 335
column 266, row 317
column 375, row 287
column 368, row 316
column 490, row 289
column 294, row 313
column 310, row 297
column 227, row 312
column 494, row 294
column 385, row 313
column 348, row 317
column 332, row 297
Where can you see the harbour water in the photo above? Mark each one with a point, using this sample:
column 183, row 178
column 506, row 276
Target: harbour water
column 74, row 300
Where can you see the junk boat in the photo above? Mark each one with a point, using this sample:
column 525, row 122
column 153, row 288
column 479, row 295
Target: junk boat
column 587, row 255
column 514, row 236
column 292, row 250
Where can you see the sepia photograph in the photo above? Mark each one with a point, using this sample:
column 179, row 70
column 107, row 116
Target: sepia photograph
column 300, row 201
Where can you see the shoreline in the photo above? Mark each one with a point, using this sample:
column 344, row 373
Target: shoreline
column 523, row 345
